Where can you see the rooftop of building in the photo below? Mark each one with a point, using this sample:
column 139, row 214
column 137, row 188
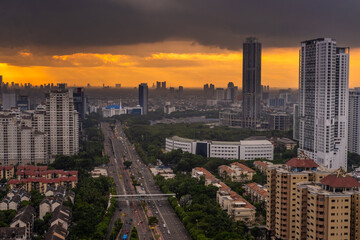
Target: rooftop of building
column 298, row 162
column 262, row 164
column 257, row 188
column 114, row 106
column 181, row 139
column 206, row 173
column 242, row 167
column 286, row 141
column 225, row 168
column 255, row 142
column 43, row 180
column 340, row 179
column 56, row 232
column 25, row 214
column 12, row 232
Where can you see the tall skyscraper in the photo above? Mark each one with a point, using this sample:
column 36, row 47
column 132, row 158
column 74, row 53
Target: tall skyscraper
column 323, row 104
column 251, row 82
column 62, row 123
column 143, row 97
column 354, row 121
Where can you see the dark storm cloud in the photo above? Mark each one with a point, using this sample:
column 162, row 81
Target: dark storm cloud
column 75, row 25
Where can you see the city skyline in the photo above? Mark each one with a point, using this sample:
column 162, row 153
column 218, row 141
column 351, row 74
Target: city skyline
column 192, row 69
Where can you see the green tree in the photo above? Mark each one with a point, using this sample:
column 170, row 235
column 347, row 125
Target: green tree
column 153, row 220
column 127, row 164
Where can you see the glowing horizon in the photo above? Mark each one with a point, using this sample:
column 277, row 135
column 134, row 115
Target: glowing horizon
column 189, row 65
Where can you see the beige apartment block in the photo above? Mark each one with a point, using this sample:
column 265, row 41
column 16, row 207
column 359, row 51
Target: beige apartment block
column 236, row 172
column 282, row 194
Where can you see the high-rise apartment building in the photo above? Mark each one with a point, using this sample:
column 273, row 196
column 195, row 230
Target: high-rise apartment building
column 22, row 138
column 354, row 121
column 251, row 87
column 308, row 201
column 143, row 97
column 323, row 105
column 62, row 123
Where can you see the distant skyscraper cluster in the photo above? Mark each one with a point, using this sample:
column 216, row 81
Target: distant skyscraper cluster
column 323, row 103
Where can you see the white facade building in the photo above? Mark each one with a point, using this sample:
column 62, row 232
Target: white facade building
column 242, row 150
column 256, row 149
column 62, row 123
column 185, row 144
column 20, row 140
column 354, row 121
column 323, row 105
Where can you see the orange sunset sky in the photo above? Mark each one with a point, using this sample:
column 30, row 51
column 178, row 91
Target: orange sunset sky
column 177, row 62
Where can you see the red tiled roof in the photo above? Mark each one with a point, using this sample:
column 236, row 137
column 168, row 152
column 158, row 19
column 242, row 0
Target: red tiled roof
column 224, row 187
column 262, row 164
column 254, row 186
column 207, row 174
column 43, row 180
column 31, row 167
column 239, row 198
column 6, row 167
column 42, row 168
column 302, row 163
column 340, row 181
column 243, row 167
column 225, row 168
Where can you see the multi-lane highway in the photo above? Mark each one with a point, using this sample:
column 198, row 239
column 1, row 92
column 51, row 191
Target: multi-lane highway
column 119, row 149
column 130, row 212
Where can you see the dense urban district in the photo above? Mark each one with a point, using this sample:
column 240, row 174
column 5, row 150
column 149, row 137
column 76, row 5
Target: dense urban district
column 170, row 163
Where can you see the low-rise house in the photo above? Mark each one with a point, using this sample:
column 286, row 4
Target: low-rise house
column 231, row 202
column 49, row 204
column 167, row 173
column 10, row 203
column 70, row 195
column 13, row 233
column 25, row 217
column 97, row 172
column 236, row 172
column 24, row 195
column 262, row 166
column 236, row 206
column 56, row 232
column 61, row 216
column 199, row 172
column 287, row 143
column 256, row 192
